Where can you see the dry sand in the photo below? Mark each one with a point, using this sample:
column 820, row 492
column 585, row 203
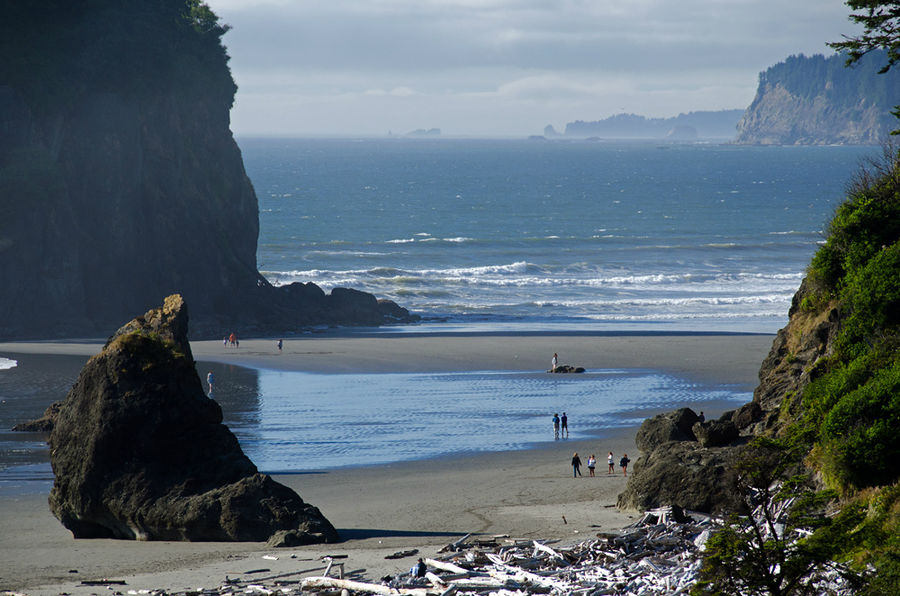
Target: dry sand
column 381, row 510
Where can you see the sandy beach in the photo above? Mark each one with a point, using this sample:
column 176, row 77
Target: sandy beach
column 381, row 510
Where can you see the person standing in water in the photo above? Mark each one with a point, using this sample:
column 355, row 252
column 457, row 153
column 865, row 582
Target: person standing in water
column 555, row 426
column 553, row 362
column 564, row 429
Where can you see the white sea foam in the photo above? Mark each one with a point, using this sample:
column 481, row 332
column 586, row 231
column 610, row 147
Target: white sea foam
column 7, row 363
column 616, row 244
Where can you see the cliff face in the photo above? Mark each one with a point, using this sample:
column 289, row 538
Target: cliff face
column 120, row 200
column 121, row 182
column 779, row 117
column 818, row 101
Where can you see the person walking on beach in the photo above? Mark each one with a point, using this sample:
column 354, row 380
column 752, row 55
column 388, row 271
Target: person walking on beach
column 609, row 461
column 623, row 463
column 564, row 429
column 210, row 380
column 555, row 425
column 592, row 463
column 232, row 339
column 576, row 465
column 279, row 345
column 553, row 362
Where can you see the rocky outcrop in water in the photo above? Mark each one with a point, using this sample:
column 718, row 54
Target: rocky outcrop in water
column 120, row 180
column 139, row 452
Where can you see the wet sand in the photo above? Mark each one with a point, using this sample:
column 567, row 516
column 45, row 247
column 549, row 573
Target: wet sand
column 380, row 510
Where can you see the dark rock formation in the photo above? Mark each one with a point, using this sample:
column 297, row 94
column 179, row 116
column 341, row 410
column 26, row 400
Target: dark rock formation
column 120, row 180
column 44, row 424
column 680, row 473
column 139, row 452
column 567, row 368
column 685, row 462
column 671, row 426
column 715, row 433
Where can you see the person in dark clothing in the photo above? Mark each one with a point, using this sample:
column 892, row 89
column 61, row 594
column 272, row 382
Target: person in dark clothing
column 576, row 465
column 419, row 569
column 564, row 431
column 623, row 463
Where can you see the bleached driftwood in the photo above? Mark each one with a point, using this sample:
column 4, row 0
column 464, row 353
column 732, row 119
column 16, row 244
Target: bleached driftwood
column 446, row 566
column 315, row 583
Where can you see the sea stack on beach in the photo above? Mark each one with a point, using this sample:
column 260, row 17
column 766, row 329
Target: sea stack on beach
column 139, row 452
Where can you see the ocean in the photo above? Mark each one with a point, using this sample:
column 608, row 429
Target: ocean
column 496, row 235
column 528, row 234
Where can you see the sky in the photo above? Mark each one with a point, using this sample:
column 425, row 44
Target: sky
column 503, row 68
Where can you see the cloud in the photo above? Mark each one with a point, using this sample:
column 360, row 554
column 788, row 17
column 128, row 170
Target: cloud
column 652, row 55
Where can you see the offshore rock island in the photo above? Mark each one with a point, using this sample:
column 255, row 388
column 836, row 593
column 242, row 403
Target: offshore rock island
column 122, row 183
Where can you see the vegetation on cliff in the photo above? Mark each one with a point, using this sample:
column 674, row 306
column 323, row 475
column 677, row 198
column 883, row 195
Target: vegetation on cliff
column 809, row 77
column 837, row 443
column 836, row 436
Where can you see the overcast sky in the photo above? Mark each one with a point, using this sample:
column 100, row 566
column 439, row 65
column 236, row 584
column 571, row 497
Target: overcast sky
column 503, row 67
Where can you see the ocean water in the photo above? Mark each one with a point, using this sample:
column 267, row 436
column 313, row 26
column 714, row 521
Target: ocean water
column 295, row 422
column 524, row 234
column 479, row 236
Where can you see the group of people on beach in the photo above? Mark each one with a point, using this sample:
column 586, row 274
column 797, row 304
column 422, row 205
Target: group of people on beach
column 231, row 340
column 592, row 464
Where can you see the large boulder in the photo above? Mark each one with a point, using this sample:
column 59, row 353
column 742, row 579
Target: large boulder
column 715, row 433
column 684, row 461
column 681, row 473
column 139, row 452
column 670, row 426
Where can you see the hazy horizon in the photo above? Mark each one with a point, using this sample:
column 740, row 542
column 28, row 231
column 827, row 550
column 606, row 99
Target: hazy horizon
column 503, row 68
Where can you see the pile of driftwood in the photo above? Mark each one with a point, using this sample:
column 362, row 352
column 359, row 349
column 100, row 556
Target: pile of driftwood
column 656, row 555
column 659, row 554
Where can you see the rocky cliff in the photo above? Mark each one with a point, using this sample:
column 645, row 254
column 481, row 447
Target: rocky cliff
column 779, row 117
column 687, row 462
column 121, row 183
column 817, row 101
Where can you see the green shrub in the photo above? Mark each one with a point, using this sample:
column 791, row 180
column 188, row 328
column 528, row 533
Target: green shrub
column 861, row 433
column 872, row 296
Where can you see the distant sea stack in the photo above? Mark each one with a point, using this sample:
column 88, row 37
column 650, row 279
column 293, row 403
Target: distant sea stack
column 121, row 183
column 813, row 100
